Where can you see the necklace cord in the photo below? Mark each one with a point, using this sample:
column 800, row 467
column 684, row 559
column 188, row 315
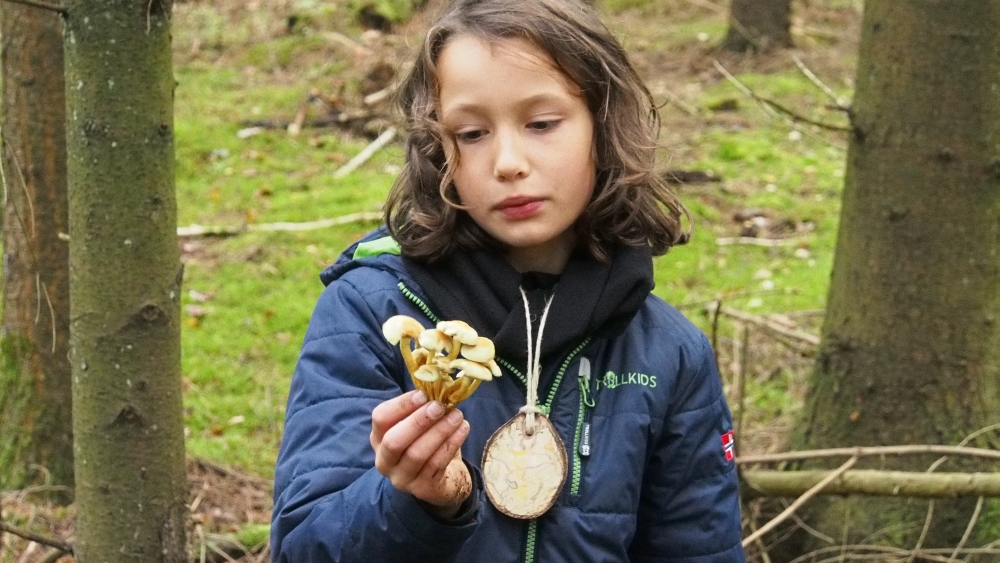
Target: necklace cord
column 534, row 363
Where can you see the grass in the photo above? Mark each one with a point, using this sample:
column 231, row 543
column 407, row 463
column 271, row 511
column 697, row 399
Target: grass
column 248, row 299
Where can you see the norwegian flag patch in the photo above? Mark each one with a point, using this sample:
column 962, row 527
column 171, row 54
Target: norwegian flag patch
column 728, row 441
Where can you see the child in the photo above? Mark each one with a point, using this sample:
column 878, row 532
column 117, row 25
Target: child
column 528, row 187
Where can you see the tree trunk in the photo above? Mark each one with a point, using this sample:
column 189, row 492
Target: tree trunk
column 125, row 278
column 759, row 25
column 911, row 341
column 35, row 389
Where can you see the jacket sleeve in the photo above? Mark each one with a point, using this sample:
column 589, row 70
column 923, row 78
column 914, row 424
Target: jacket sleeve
column 331, row 504
column 689, row 506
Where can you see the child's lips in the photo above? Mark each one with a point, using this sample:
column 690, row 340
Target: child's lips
column 520, row 207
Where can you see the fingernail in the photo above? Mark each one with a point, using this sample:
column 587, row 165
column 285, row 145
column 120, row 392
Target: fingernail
column 464, row 429
column 435, row 409
column 455, row 416
column 419, row 398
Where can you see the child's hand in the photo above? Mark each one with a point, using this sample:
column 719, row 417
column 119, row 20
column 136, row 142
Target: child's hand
column 417, row 448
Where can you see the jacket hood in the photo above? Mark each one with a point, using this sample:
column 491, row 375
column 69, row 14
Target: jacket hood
column 374, row 250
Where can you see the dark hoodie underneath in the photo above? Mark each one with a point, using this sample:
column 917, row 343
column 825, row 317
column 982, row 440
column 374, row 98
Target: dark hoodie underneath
column 589, row 298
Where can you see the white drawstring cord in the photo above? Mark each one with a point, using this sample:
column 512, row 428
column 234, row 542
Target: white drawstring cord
column 534, row 363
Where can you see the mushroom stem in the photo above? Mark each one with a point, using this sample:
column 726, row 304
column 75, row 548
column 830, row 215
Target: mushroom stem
column 453, row 352
column 411, row 364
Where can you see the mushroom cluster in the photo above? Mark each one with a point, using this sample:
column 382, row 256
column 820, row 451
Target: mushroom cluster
column 451, row 346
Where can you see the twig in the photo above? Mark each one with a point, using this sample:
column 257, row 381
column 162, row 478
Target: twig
column 61, row 10
column 755, row 241
column 710, row 5
column 928, row 554
column 968, row 529
column 384, row 139
column 869, row 451
column 874, row 483
column 223, row 231
column 840, row 103
column 31, row 536
column 798, row 335
column 767, row 105
column 677, row 101
column 800, row 501
column 227, row 472
column 923, row 532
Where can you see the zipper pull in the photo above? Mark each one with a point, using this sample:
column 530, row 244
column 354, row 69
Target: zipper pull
column 585, row 376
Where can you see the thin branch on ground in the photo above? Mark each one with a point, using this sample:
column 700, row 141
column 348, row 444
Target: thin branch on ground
column 923, row 532
column 771, row 107
column 879, row 552
column 756, row 241
column 965, row 441
column 37, row 538
column 53, row 556
column 224, row 231
column 61, row 10
column 384, row 139
column 869, row 451
column 798, row 335
column 839, row 103
column 710, row 5
column 968, row 529
column 800, row 501
column 227, row 472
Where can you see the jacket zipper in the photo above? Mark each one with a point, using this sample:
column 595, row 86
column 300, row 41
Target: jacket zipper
column 532, row 530
column 582, row 443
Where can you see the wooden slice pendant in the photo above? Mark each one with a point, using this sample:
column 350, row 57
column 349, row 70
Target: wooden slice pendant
column 524, row 473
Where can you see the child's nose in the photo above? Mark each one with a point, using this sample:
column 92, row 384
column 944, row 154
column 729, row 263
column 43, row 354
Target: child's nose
column 511, row 161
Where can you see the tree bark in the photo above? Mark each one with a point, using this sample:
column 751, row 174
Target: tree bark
column 759, row 25
column 35, row 389
column 911, row 343
column 125, row 278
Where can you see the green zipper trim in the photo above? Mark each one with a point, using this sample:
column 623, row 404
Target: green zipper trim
column 529, row 549
column 574, row 487
column 418, row 302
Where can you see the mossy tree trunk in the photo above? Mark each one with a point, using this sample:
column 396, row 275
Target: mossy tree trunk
column 911, row 341
column 759, row 25
column 125, row 278
column 36, row 444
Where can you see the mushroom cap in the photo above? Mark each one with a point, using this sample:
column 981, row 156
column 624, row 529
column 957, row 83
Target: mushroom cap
column 482, row 351
column 459, row 330
column 471, row 369
column 398, row 326
column 428, row 372
column 434, row 340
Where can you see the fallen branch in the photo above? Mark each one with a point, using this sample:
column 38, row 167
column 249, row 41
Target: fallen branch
column 755, row 241
column 839, row 103
column 763, row 322
column 62, row 10
column 37, row 538
column 791, row 118
column 867, row 452
column 858, row 552
column 384, row 139
column 815, row 490
column 226, row 231
column 873, row 483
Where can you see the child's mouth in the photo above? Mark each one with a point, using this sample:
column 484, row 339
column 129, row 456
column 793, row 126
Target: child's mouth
column 520, row 207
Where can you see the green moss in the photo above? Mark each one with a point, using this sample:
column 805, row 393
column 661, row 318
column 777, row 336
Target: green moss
column 15, row 394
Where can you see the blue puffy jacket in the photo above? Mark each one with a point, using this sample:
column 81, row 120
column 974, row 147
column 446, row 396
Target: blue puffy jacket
column 658, row 485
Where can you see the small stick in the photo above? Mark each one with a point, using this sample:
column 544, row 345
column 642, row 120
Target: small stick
column 841, row 104
column 31, row 536
column 222, row 231
column 384, row 139
column 800, row 501
column 968, row 529
column 61, row 10
column 755, row 241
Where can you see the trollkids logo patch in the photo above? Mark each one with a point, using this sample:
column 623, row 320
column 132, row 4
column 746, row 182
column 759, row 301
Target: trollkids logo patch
column 612, row 380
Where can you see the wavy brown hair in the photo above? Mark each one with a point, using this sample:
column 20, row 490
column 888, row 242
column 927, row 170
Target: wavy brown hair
column 631, row 204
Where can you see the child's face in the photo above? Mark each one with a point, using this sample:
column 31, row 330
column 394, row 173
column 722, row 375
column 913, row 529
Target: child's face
column 524, row 137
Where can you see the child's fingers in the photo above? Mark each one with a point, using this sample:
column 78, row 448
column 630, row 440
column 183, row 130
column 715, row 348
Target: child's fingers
column 444, row 455
column 428, row 445
column 389, row 413
column 398, row 439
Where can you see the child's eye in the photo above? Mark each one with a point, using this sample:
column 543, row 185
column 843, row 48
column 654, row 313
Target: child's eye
column 543, row 125
column 469, row 136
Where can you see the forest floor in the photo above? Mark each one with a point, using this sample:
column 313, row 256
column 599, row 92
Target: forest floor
column 271, row 103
